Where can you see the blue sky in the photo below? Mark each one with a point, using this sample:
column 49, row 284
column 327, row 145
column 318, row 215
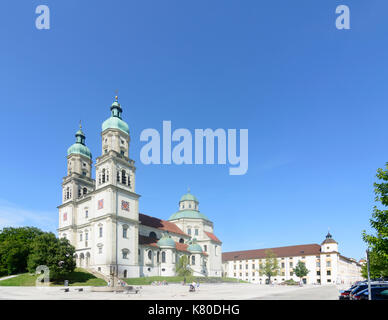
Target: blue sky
column 312, row 97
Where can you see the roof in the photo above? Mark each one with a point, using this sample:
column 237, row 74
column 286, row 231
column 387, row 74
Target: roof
column 79, row 148
column 188, row 196
column 160, row 224
column 212, row 237
column 329, row 241
column 147, row 241
column 289, row 251
column 115, row 123
column 181, row 246
column 190, row 214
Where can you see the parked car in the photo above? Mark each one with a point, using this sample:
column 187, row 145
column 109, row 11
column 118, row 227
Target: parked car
column 365, row 286
column 344, row 295
column 378, row 293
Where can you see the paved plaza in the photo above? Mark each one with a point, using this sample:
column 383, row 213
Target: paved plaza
column 223, row 291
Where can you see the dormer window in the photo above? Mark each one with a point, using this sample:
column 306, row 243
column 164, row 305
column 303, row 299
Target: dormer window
column 122, row 152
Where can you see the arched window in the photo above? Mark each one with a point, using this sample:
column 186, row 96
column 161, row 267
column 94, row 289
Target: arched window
column 125, row 273
column 152, row 235
column 158, row 257
column 79, row 192
column 85, row 190
column 193, row 260
column 125, row 253
column 123, row 177
column 99, row 178
column 107, row 175
column 149, row 254
column 129, row 180
column 181, row 240
column 67, row 193
column 163, row 257
column 103, row 175
column 125, row 231
column 118, row 176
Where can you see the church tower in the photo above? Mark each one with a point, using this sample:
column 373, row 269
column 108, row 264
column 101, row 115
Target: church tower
column 116, row 203
column 78, row 181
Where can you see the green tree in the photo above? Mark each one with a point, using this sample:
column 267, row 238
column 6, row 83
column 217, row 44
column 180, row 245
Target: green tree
column 56, row 254
column 378, row 266
column 183, row 269
column 301, row 270
column 270, row 267
column 15, row 247
column 379, row 241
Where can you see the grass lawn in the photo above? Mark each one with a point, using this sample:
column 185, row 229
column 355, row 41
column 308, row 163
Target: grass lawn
column 79, row 277
column 177, row 279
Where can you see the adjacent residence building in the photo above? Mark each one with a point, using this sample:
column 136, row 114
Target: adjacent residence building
column 325, row 264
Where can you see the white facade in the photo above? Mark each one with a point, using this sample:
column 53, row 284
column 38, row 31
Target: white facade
column 101, row 219
column 325, row 264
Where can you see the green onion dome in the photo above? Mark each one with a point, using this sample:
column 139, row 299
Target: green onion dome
column 188, row 197
column 166, row 241
column 79, row 146
column 115, row 121
column 194, row 247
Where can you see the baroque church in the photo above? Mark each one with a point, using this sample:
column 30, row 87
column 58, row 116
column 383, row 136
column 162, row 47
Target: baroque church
column 100, row 217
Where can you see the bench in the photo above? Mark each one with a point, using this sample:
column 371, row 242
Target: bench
column 65, row 289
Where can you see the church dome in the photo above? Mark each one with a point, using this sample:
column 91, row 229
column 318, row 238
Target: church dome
column 194, row 247
column 191, row 214
column 79, row 146
column 189, row 197
column 115, row 121
column 166, row 242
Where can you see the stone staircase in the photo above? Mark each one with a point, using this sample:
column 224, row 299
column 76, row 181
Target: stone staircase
column 98, row 274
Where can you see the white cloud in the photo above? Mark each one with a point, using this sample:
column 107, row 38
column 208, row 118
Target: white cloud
column 13, row 215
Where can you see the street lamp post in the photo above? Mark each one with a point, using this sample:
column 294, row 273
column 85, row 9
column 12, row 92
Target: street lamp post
column 368, row 267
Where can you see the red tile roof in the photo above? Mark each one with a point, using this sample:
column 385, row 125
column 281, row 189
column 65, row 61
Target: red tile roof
column 181, row 246
column 148, row 241
column 213, row 237
column 290, row 251
column 160, row 224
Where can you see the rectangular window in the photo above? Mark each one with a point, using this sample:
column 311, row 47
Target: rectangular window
column 124, row 232
column 328, row 272
column 282, row 264
column 196, row 232
column 86, row 236
column 291, row 273
column 328, row 263
column 86, row 213
column 100, row 232
column 318, row 264
column 253, row 266
column 80, row 237
column 291, row 265
column 205, row 248
column 100, row 250
column 240, row 266
column 318, row 273
column 189, row 231
column 246, row 266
